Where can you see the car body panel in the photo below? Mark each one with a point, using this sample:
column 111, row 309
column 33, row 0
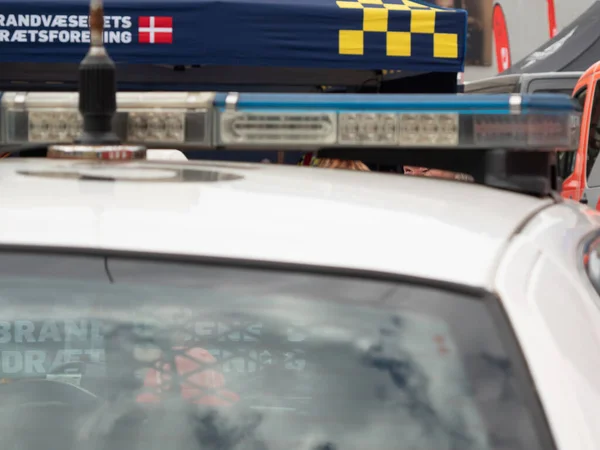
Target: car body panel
column 554, row 312
column 284, row 214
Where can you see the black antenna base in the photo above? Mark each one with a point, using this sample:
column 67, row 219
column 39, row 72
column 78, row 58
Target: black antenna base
column 97, row 98
column 98, row 139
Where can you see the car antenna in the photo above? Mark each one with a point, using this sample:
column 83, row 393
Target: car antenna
column 97, row 102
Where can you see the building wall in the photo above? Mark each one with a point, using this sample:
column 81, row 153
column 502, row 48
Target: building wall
column 527, row 24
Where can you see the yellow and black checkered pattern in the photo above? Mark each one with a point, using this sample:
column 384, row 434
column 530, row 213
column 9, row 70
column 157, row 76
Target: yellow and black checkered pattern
column 376, row 19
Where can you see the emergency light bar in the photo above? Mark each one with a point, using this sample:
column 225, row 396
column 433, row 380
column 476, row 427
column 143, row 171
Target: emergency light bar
column 401, row 121
column 304, row 122
column 150, row 118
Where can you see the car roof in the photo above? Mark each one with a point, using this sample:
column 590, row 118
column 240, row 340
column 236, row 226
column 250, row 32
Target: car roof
column 438, row 229
column 536, row 75
column 520, row 76
column 509, row 79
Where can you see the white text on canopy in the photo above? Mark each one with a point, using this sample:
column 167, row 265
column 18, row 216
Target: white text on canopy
column 66, row 29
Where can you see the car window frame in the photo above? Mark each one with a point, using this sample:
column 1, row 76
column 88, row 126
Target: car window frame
column 499, row 316
column 551, row 85
column 567, row 160
column 588, row 244
column 595, row 167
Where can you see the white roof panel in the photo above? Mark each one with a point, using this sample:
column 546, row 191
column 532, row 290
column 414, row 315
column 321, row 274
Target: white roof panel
column 415, row 226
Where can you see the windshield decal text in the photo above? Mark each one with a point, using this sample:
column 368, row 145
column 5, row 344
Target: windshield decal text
column 34, row 348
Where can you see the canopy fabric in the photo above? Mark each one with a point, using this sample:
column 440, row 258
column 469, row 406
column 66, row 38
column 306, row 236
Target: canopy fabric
column 575, row 48
column 345, row 34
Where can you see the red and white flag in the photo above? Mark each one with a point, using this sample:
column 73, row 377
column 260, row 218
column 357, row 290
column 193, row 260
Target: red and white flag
column 501, row 39
column 552, row 19
column 155, row 30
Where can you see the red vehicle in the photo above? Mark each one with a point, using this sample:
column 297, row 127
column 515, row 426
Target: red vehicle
column 583, row 180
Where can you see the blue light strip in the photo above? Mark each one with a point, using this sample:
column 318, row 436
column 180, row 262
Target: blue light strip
column 434, row 103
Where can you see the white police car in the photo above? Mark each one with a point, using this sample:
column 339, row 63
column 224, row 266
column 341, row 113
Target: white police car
column 302, row 307
column 341, row 309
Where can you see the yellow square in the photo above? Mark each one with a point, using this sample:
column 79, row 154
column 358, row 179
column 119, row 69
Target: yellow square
column 422, row 21
column 398, row 43
column 351, row 42
column 375, row 19
column 445, row 45
column 371, row 2
column 349, row 5
column 396, row 7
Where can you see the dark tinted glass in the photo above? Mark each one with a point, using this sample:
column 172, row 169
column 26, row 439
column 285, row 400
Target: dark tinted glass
column 554, row 91
column 566, row 160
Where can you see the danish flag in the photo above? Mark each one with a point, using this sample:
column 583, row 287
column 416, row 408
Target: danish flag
column 155, row 30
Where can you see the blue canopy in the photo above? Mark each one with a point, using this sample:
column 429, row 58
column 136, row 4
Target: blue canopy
column 407, row 35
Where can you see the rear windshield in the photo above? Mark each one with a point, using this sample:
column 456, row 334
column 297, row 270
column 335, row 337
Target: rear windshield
column 179, row 356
